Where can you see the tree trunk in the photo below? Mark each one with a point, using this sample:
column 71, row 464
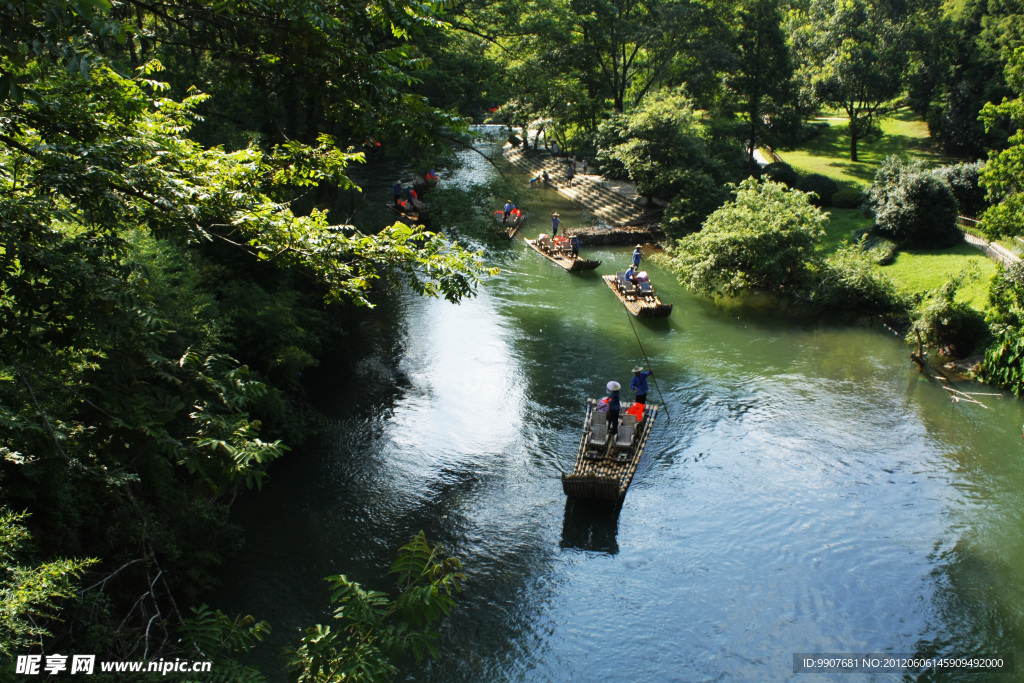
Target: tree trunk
column 853, row 141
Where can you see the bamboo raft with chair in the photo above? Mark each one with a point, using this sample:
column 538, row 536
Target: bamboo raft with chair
column 510, row 227
column 639, row 298
column 605, row 465
column 557, row 251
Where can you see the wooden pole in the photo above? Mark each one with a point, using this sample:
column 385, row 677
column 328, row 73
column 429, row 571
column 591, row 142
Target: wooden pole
column 663, row 404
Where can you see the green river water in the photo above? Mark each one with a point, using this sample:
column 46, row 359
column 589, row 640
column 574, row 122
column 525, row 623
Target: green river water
column 808, row 491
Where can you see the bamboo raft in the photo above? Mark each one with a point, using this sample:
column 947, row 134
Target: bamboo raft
column 564, row 258
column 605, row 473
column 641, row 303
column 508, row 230
column 413, row 217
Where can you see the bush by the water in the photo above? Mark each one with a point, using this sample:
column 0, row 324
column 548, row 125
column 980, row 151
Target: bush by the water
column 848, row 199
column 963, row 180
column 1004, row 360
column 912, row 206
column 781, row 172
column 848, row 279
column 947, row 324
column 819, row 185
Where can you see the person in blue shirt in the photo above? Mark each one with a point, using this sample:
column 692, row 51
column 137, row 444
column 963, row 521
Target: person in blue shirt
column 614, row 405
column 508, row 209
column 631, row 275
column 636, row 258
column 574, row 244
column 639, row 383
column 555, row 221
column 397, row 189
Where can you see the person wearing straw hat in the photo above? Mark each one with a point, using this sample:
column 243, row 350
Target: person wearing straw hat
column 639, row 383
column 555, row 221
column 614, row 404
column 636, row 258
column 508, row 209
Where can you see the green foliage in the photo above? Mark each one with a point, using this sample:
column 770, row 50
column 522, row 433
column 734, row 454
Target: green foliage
column 1004, row 360
column 763, row 76
column 1003, row 175
column 212, row 636
column 912, row 206
column 964, row 180
column 821, row 186
column 764, row 238
column 781, row 172
column 849, row 280
column 848, row 199
column 29, row 595
column 144, row 271
column 373, row 629
column 670, row 151
column 948, row 324
column 881, row 251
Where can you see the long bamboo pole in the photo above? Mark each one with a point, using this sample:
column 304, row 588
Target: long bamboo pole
column 664, row 406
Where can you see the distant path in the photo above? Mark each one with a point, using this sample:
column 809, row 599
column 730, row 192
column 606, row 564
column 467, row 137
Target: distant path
column 614, row 201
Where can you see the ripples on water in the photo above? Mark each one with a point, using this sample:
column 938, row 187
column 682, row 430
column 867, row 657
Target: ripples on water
column 811, row 492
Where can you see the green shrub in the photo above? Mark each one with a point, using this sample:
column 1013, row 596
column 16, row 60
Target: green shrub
column 963, row 180
column 821, row 186
column 848, row 280
column 781, row 172
column 848, row 199
column 947, row 324
column 912, row 206
column 880, row 250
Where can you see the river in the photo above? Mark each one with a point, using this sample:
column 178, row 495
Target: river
column 806, row 491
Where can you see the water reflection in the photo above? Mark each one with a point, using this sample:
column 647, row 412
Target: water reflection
column 590, row 525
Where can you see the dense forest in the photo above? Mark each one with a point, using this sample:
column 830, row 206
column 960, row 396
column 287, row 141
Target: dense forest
column 174, row 257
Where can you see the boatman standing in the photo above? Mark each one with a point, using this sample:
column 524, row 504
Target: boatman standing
column 397, row 189
column 639, row 384
column 574, row 244
column 508, row 209
column 554, row 223
column 614, row 404
column 636, row 258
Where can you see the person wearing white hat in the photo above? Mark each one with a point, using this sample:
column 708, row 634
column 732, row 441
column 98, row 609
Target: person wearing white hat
column 613, row 406
column 636, row 258
column 639, row 383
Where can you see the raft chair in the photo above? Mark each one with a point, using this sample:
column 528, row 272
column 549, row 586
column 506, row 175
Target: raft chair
column 623, row 442
column 598, row 440
column 646, row 289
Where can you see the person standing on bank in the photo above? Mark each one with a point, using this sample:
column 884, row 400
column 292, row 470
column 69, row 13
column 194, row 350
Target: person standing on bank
column 614, row 404
column 636, row 258
column 555, row 221
column 639, row 384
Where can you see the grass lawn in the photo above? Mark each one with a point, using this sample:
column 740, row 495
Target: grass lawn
column 828, row 153
column 840, row 228
column 919, row 271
